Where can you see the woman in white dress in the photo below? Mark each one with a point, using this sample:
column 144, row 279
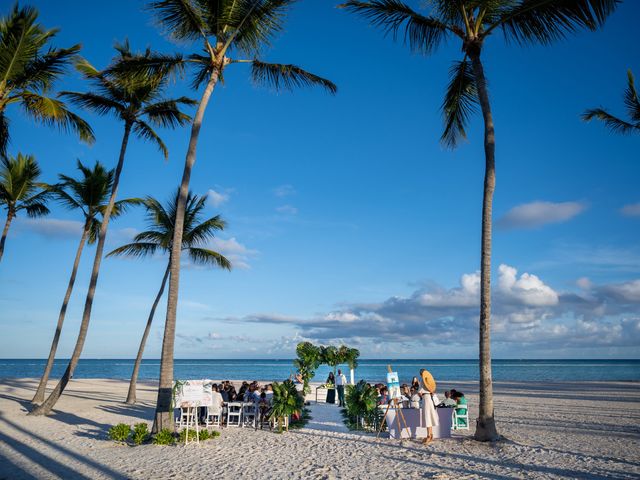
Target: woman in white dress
column 430, row 416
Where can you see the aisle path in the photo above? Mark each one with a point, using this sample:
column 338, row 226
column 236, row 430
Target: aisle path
column 326, row 418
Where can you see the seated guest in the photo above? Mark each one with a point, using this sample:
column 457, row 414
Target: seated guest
column 415, row 398
column 448, row 401
column 269, row 392
column 217, row 400
column 243, row 389
column 224, row 393
column 383, row 398
column 461, row 408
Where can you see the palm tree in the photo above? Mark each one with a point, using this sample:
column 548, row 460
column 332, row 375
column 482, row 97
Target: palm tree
column 137, row 102
column 28, row 69
column 224, row 29
column 89, row 194
column 614, row 123
column 158, row 239
column 20, row 190
column 471, row 22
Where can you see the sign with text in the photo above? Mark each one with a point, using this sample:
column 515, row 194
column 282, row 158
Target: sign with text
column 393, row 384
column 193, row 393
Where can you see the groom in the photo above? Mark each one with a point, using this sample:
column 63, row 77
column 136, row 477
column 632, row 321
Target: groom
column 341, row 381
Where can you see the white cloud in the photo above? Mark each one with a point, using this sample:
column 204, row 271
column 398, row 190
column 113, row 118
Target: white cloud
column 218, row 198
column 236, row 252
column 536, row 214
column 526, row 313
column 50, row 227
column 284, row 191
column 632, row 210
column 526, row 290
column 287, row 209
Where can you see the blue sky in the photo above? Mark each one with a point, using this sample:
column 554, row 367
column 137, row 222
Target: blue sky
column 348, row 221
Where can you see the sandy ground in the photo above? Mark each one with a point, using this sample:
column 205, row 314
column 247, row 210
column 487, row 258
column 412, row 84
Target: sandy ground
column 570, row 430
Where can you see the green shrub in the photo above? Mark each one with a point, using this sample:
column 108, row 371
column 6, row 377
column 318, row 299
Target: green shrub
column 119, row 432
column 205, row 435
column 192, row 435
column 286, row 401
column 140, row 433
column 164, row 437
column 215, row 433
column 362, row 403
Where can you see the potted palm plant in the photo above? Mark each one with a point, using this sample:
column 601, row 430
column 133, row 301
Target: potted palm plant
column 286, row 402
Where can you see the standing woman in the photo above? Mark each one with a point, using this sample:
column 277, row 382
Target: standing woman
column 331, row 388
column 430, row 416
column 415, row 384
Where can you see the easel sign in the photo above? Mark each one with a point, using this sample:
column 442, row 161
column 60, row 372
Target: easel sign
column 393, row 384
column 190, row 395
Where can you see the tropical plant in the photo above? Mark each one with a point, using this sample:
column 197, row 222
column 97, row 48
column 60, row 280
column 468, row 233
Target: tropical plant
column 140, row 433
column 226, row 30
column 164, row 437
column 89, row 194
column 471, row 22
column 361, row 402
column 29, row 67
column 158, row 240
column 137, row 102
column 286, row 401
column 615, row 124
column 350, row 357
column 331, row 356
column 307, row 362
column 119, row 432
column 20, row 190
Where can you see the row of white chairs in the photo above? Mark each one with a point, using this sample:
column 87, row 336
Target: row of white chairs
column 238, row 414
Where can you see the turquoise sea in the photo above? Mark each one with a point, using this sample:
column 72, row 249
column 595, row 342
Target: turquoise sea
column 368, row 369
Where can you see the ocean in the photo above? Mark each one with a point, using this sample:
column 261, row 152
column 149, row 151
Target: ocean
column 368, row 369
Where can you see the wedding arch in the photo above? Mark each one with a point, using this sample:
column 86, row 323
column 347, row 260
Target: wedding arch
column 311, row 356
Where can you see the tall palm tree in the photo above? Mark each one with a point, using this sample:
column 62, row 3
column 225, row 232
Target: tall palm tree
column 471, row 22
column 138, row 103
column 632, row 104
column 158, row 239
column 28, row 69
column 226, row 30
column 89, row 194
column 20, row 190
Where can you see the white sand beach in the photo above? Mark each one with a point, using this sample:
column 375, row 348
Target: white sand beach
column 569, row 430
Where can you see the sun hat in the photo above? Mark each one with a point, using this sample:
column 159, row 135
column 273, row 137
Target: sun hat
column 428, row 380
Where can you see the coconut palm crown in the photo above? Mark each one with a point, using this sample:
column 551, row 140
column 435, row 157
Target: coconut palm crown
column 28, row 70
column 471, row 22
column 159, row 237
column 616, row 124
column 20, row 190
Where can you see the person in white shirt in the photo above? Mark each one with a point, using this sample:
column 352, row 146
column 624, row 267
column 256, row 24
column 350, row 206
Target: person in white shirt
column 341, row 381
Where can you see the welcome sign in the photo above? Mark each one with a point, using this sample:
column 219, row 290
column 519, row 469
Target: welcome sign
column 193, row 393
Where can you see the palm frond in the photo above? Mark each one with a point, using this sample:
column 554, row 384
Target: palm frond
column 166, row 113
column 199, row 234
column 35, row 209
column 4, row 134
column 180, row 19
column 460, row 101
column 136, row 249
column 251, row 24
column 287, row 77
column 51, row 111
column 422, row 33
column 631, row 98
column 40, row 73
column 96, row 103
column 615, row 124
column 203, row 256
column 545, row 21
column 144, row 130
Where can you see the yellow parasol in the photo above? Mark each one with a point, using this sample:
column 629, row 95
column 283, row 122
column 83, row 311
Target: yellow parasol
column 428, row 380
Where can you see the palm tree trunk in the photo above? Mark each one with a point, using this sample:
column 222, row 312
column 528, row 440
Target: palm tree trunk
column 164, row 415
column 131, row 396
column 485, row 425
column 49, row 403
column 7, row 224
column 39, row 396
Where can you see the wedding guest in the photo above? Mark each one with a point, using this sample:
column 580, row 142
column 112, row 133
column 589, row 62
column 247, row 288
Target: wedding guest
column 341, row 381
column 448, row 401
column 415, row 399
column 383, row 399
column 415, row 384
column 429, row 413
column 331, row 388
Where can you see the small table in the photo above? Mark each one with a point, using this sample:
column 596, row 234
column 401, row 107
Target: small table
column 415, row 422
column 324, row 387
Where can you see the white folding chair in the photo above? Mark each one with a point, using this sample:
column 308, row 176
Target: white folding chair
column 187, row 416
column 460, row 420
column 249, row 414
column 214, row 416
column 234, row 414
